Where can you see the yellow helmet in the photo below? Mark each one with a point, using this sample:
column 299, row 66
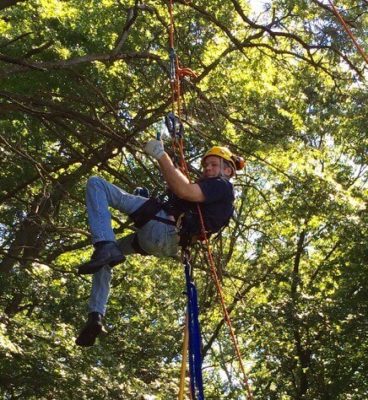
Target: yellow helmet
column 236, row 162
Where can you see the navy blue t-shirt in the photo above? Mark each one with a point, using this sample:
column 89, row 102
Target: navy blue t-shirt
column 217, row 208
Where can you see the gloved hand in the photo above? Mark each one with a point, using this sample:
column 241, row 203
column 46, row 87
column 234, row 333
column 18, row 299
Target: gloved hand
column 155, row 148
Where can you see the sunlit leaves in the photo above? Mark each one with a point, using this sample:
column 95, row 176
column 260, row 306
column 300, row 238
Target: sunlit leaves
column 286, row 92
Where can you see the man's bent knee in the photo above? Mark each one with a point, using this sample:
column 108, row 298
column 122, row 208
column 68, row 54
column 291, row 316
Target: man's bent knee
column 94, row 181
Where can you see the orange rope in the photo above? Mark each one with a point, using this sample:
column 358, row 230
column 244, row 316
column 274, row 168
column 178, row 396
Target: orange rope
column 179, row 145
column 224, row 308
column 348, row 31
column 175, row 84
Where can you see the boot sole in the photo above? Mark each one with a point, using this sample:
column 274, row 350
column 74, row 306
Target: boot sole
column 93, row 267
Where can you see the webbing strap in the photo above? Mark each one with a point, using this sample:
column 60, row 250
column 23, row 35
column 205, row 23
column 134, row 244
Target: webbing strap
column 195, row 344
column 137, row 247
column 147, row 212
column 164, row 220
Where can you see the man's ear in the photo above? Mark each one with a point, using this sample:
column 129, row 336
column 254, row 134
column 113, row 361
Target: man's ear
column 229, row 172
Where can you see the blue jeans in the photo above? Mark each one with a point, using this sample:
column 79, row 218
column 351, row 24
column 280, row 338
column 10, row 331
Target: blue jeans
column 156, row 238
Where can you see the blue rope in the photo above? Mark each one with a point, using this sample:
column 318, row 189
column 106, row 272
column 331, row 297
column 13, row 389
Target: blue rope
column 195, row 358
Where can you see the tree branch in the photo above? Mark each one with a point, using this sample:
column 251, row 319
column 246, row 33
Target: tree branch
column 9, row 3
column 131, row 17
column 66, row 64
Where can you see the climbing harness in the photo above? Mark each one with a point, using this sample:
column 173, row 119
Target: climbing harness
column 147, row 211
column 186, row 222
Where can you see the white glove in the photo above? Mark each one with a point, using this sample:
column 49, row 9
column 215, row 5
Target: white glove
column 155, row 148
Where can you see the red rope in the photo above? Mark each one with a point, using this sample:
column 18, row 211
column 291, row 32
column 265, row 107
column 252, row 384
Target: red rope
column 348, row 31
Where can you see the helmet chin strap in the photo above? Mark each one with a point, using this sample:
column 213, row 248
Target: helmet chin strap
column 222, row 170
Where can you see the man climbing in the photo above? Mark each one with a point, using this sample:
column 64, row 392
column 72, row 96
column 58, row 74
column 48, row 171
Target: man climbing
column 162, row 227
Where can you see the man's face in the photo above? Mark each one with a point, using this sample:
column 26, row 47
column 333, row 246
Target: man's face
column 212, row 167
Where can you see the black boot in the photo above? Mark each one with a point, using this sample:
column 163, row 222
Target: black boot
column 107, row 253
column 91, row 330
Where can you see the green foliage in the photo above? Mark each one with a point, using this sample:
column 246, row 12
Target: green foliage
column 83, row 84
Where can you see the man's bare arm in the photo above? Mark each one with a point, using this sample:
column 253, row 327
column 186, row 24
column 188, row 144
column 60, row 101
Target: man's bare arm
column 178, row 183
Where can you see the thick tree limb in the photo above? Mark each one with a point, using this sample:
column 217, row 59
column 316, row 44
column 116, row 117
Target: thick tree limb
column 24, row 66
column 9, row 3
column 12, row 60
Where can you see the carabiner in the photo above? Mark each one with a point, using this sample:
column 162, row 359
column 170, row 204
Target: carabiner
column 174, row 125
